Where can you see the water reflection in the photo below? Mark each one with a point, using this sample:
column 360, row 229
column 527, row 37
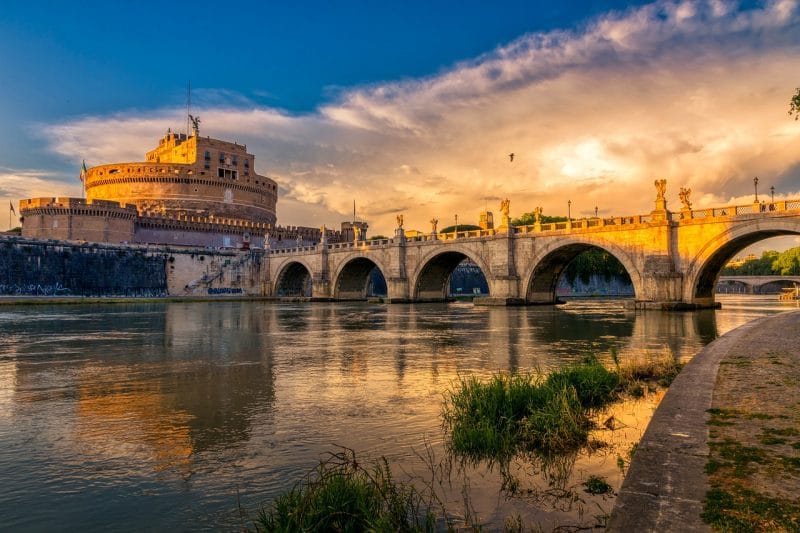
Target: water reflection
column 157, row 415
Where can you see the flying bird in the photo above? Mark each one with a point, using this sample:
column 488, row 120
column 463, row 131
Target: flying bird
column 511, row 157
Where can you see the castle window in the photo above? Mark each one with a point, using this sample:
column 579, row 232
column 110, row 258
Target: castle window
column 246, row 163
column 226, row 173
column 222, row 157
column 234, row 162
column 208, row 155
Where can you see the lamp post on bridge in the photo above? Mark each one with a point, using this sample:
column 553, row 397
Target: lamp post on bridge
column 755, row 186
column 569, row 209
column 595, row 211
column 456, row 226
column 772, row 194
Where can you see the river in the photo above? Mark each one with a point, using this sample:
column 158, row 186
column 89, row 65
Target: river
column 176, row 416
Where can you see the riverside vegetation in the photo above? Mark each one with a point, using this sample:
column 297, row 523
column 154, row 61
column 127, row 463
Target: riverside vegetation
column 508, row 414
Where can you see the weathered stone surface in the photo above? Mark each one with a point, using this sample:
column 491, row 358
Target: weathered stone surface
column 38, row 269
column 666, row 484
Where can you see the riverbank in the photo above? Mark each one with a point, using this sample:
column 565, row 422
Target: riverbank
column 742, row 430
column 83, row 300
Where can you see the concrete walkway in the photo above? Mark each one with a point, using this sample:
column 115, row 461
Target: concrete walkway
column 666, row 485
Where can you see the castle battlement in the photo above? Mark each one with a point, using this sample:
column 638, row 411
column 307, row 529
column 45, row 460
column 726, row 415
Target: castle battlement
column 89, row 207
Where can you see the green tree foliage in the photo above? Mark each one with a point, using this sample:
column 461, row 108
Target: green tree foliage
column 594, row 261
column 794, row 105
column 461, row 227
column 753, row 267
column 528, row 219
column 787, row 263
column 769, row 264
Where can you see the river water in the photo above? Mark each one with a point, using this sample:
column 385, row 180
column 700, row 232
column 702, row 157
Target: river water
column 193, row 415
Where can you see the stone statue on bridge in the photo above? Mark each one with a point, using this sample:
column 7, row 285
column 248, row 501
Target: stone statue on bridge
column 504, row 207
column 684, row 196
column 661, row 189
column 660, row 212
column 400, row 221
column 434, row 224
column 537, row 215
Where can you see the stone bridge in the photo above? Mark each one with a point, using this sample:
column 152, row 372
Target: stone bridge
column 673, row 258
column 753, row 283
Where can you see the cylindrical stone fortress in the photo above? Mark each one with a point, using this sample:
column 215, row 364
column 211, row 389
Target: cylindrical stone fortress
column 194, row 176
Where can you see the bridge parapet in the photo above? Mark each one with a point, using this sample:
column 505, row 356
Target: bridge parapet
column 734, row 210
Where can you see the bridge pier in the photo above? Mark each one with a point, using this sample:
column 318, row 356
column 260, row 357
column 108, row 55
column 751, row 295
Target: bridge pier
column 397, row 284
column 502, row 279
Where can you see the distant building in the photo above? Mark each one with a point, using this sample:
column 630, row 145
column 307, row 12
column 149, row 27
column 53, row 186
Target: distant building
column 739, row 261
column 486, row 220
column 194, row 191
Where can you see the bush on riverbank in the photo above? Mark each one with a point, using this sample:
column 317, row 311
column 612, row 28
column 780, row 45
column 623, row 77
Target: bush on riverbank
column 342, row 495
column 524, row 412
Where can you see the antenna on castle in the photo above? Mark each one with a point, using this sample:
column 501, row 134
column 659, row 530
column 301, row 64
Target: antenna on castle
column 188, row 109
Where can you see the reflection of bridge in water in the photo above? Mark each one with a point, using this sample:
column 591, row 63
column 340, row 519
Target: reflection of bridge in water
column 755, row 284
column 673, row 259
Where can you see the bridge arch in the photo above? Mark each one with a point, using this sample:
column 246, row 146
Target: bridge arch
column 294, row 280
column 432, row 275
column 352, row 280
column 550, row 261
column 704, row 270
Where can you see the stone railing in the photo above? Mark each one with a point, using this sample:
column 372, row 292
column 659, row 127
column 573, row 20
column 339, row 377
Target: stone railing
column 733, row 210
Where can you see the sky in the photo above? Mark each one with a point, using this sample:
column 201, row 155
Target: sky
column 413, row 107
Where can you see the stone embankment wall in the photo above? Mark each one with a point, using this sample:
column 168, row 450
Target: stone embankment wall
column 596, row 286
column 30, row 267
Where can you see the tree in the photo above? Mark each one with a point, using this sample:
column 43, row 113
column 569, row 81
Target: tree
column 794, row 105
column 461, row 227
column 528, row 219
column 787, row 263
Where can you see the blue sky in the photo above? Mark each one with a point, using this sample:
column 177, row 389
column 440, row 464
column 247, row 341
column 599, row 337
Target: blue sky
column 411, row 107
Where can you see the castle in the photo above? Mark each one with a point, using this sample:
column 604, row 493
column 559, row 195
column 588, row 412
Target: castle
column 189, row 191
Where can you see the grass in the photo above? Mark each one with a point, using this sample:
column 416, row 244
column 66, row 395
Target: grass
column 342, row 495
column 509, row 413
column 741, row 509
column 732, row 504
column 597, row 485
column 524, row 412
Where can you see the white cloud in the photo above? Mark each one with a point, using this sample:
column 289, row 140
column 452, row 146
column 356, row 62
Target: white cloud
column 696, row 92
column 18, row 183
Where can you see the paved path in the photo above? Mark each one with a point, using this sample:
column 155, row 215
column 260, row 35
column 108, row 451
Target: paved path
column 666, row 484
